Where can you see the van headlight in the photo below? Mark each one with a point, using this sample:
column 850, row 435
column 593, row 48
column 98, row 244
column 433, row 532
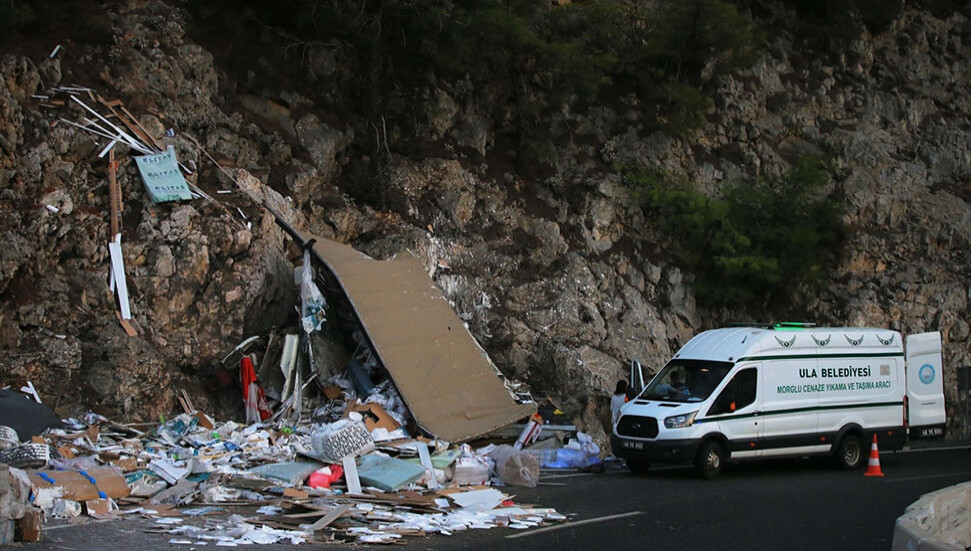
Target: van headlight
column 680, row 421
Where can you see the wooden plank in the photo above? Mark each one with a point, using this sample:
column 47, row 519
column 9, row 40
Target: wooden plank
column 188, row 400
column 126, row 325
column 114, row 194
column 136, row 130
column 285, row 519
column 150, row 140
column 295, row 493
column 185, row 406
column 297, row 516
column 330, row 517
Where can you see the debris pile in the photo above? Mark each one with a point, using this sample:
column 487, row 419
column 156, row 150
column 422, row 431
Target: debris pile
column 358, row 415
column 235, row 484
column 359, row 337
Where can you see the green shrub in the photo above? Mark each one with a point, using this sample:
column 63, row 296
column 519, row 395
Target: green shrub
column 529, row 59
column 759, row 241
column 681, row 108
column 688, row 35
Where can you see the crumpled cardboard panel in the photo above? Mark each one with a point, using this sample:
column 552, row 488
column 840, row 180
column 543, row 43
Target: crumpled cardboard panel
column 446, row 379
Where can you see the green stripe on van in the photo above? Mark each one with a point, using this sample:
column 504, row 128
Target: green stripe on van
column 798, row 410
column 821, row 356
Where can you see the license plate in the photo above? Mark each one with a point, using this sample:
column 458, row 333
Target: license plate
column 932, row 432
column 634, row 445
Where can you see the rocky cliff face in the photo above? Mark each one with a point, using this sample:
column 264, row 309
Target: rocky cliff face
column 560, row 278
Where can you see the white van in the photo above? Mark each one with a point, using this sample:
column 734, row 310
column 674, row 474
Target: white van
column 786, row 389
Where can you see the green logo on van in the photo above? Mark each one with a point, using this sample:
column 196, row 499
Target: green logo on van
column 926, row 374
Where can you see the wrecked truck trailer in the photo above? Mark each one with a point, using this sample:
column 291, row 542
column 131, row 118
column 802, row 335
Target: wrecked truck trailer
column 447, row 381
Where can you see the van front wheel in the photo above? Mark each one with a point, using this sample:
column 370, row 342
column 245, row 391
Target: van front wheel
column 850, row 452
column 710, row 460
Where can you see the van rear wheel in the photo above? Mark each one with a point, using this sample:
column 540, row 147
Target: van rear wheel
column 849, row 454
column 710, row 460
column 638, row 466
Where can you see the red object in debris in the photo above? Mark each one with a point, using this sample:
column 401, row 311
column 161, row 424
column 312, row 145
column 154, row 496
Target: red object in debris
column 323, row 478
column 247, row 376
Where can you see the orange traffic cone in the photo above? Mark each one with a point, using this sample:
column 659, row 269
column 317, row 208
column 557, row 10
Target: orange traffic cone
column 873, row 465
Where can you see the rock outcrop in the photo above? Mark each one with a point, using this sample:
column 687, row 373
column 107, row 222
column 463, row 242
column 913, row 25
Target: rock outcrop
column 561, row 279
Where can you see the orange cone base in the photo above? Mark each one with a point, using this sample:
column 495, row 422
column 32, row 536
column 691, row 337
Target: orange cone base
column 873, row 464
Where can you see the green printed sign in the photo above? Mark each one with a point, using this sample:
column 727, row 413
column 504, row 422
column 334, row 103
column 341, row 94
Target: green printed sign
column 162, row 177
column 835, row 379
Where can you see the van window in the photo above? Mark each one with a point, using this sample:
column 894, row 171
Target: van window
column 738, row 393
column 686, row 381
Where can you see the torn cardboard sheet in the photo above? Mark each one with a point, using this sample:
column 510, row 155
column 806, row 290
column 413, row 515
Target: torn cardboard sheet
column 445, row 378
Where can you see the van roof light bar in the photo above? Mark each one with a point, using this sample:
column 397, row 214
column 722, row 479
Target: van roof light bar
column 778, row 326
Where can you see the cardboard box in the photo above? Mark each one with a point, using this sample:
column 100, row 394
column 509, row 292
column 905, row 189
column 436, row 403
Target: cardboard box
column 78, row 487
column 31, row 525
column 374, row 416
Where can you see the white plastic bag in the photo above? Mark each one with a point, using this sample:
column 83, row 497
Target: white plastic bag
column 515, row 467
column 312, row 303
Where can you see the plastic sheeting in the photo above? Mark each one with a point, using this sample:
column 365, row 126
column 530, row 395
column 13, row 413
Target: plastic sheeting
column 446, row 379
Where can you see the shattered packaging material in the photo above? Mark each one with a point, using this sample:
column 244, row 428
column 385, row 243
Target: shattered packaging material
column 14, row 493
column 471, row 471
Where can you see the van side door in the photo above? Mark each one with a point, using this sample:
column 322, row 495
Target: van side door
column 789, row 407
column 736, row 411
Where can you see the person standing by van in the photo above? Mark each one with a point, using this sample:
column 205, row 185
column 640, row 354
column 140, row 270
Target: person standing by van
column 618, row 399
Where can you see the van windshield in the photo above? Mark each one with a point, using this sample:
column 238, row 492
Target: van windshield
column 686, row 381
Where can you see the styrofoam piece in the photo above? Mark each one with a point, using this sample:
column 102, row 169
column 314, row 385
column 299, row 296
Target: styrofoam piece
column 351, row 476
column 387, row 473
column 118, row 272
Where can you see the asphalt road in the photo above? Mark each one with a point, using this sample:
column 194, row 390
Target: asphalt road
column 783, row 504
